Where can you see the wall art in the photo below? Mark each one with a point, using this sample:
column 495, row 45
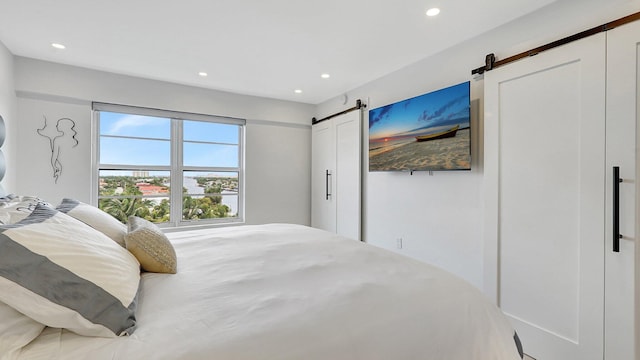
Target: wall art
column 61, row 137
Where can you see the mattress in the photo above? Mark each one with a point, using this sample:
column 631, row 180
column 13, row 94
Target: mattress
column 282, row 291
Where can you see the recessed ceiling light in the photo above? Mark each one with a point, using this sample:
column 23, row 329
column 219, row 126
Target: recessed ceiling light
column 433, row 12
column 297, row 91
column 325, row 76
column 58, row 46
column 203, row 74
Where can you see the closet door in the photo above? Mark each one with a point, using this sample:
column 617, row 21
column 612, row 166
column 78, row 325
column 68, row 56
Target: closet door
column 545, row 198
column 335, row 175
column 323, row 160
column 623, row 89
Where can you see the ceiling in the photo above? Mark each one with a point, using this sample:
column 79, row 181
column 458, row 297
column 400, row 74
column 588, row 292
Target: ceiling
column 265, row 48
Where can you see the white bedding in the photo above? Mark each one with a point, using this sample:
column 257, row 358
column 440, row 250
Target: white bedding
column 282, row 292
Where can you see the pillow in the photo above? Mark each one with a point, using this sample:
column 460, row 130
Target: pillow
column 65, row 274
column 150, row 246
column 14, row 208
column 95, row 218
column 16, row 331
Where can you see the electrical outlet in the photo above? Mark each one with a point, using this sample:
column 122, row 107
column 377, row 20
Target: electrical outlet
column 399, row 243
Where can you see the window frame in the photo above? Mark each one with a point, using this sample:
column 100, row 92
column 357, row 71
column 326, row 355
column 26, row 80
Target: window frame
column 176, row 167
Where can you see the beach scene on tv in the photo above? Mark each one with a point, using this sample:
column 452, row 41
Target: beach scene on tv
column 424, row 133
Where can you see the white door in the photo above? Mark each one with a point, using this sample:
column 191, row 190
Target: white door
column 623, row 89
column 335, row 178
column 323, row 205
column 347, row 190
column 545, row 198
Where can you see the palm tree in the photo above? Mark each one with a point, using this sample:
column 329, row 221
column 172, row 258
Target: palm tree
column 191, row 209
column 122, row 208
column 161, row 212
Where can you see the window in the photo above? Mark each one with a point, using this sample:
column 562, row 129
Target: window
column 171, row 168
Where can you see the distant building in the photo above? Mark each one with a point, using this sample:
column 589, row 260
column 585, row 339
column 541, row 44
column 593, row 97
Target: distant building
column 140, row 174
column 148, row 189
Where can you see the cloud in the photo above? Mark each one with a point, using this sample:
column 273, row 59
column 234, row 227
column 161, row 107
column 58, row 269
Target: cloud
column 130, row 121
column 425, row 116
column 464, row 112
column 379, row 115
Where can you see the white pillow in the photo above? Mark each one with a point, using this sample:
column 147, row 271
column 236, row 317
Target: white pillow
column 65, row 274
column 95, row 218
column 16, row 331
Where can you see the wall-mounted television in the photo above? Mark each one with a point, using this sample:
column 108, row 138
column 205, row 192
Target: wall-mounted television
column 425, row 133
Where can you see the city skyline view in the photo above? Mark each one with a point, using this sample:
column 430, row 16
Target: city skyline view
column 136, row 162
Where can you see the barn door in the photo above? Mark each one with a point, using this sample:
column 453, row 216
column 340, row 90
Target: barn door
column 323, row 204
column 545, row 175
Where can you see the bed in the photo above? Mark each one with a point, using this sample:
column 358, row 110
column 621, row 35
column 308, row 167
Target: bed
column 274, row 291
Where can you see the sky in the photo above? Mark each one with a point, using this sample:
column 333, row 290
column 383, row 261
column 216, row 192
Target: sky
column 429, row 110
column 145, row 140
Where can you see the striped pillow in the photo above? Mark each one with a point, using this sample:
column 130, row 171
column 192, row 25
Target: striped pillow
column 14, row 208
column 65, row 274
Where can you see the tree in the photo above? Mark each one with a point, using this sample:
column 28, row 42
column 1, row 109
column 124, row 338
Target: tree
column 215, row 189
column 161, row 212
column 122, row 208
column 191, row 209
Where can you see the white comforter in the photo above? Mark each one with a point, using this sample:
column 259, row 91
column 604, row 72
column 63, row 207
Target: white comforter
column 282, row 292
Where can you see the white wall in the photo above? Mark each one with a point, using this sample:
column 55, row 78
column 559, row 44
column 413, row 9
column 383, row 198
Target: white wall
column 278, row 159
column 8, row 113
column 278, row 134
column 440, row 217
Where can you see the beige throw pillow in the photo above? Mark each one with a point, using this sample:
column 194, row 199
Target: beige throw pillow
column 150, row 246
column 95, row 218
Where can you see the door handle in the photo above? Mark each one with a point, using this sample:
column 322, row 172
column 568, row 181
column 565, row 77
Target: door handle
column 616, row 209
column 326, row 182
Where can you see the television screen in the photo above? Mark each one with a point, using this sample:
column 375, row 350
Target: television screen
column 427, row 132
